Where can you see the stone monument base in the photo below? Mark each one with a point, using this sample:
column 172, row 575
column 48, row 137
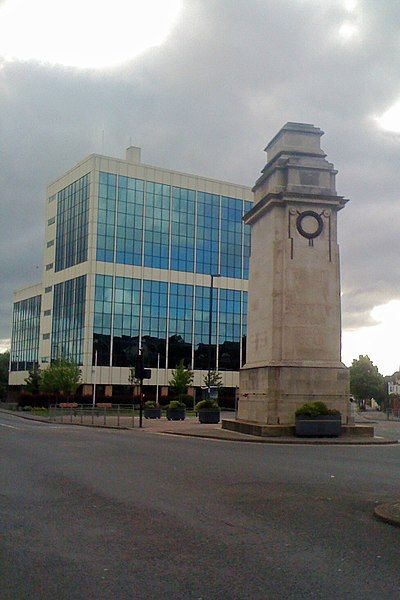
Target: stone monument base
column 271, row 394
column 251, row 428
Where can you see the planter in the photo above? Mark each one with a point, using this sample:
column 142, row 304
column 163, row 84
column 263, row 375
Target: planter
column 209, row 415
column 177, row 414
column 320, row 426
column 152, row 413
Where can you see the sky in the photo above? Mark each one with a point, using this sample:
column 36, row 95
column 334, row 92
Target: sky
column 201, row 86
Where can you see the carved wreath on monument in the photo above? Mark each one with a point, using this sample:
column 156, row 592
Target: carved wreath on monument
column 309, row 224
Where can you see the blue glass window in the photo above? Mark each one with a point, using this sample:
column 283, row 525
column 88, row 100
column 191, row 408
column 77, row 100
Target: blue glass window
column 152, row 224
column 154, row 322
column 68, row 327
column 126, row 313
column 180, row 325
column 231, row 237
column 246, row 242
column 156, row 235
column 207, row 231
column 163, row 314
column 229, row 330
column 25, row 334
column 182, row 229
column 202, row 349
column 72, row 224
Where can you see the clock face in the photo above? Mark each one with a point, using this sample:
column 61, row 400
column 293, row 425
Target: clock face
column 309, row 224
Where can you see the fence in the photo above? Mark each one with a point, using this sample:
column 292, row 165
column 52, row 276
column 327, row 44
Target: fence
column 110, row 415
column 393, row 414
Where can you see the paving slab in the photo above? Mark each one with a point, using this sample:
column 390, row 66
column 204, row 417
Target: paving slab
column 191, row 427
column 225, row 435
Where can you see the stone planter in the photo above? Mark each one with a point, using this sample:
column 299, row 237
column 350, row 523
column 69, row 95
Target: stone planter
column 152, row 413
column 320, row 426
column 209, row 415
column 177, row 414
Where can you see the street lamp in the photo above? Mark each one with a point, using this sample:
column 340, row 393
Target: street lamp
column 210, row 330
column 94, row 371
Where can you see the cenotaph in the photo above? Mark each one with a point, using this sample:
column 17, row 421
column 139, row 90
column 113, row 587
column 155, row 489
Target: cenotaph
column 294, row 315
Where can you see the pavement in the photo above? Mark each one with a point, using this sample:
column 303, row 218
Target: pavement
column 191, row 427
column 100, row 513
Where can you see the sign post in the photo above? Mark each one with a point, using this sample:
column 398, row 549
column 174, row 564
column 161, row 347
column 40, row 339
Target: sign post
column 140, row 374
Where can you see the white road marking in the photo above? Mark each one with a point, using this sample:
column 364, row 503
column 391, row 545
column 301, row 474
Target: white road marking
column 10, row 426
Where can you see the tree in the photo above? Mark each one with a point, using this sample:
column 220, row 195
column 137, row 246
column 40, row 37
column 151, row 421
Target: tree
column 62, row 377
column 182, row 378
column 4, row 364
column 365, row 380
column 214, row 381
column 33, row 380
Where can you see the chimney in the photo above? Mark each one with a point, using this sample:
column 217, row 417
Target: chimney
column 133, row 154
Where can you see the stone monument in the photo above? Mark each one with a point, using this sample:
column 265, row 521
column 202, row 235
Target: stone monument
column 294, row 314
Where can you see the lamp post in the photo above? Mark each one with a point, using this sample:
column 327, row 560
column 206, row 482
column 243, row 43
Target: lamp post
column 95, row 374
column 158, row 368
column 210, row 330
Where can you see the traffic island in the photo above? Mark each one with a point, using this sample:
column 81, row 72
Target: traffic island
column 272, row 431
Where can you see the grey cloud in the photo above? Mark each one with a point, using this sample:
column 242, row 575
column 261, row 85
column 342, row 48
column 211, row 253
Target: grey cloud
column 206, row 101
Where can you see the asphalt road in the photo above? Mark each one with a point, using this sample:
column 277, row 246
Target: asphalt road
column 89, row 514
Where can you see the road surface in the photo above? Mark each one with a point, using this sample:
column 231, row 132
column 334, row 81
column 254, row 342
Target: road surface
column 107, row 514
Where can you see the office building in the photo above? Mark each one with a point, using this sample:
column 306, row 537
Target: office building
column 128, row 254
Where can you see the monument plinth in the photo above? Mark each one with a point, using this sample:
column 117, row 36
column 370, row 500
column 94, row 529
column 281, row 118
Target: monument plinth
column 294, row 313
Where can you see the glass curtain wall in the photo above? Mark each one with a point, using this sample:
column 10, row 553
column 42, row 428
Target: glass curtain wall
column 207, row 233
column 68, row 326
column 229, row 330
column 231, row 237
column 154, row 322
column 171, row 320
column 125, row 321
column 201, row 328
column 72, row 224
column 158, row 226
column 25, row 334
column 180, row 325
column 103, row 309
column 246, row 242
column 156, row 232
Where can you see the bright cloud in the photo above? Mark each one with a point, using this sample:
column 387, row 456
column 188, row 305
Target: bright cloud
column 5, row 344
column 350, row 5
column 390, row 120
column 381, row 342
column 92, row 34
column 348, row 31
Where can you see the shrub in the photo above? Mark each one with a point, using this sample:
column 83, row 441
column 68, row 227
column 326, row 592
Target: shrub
column 314, row 409
column 27, row 408
column 206, row 405
column 176, row 405
column 150, row 404
column 26, row 399
column 186, row 399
